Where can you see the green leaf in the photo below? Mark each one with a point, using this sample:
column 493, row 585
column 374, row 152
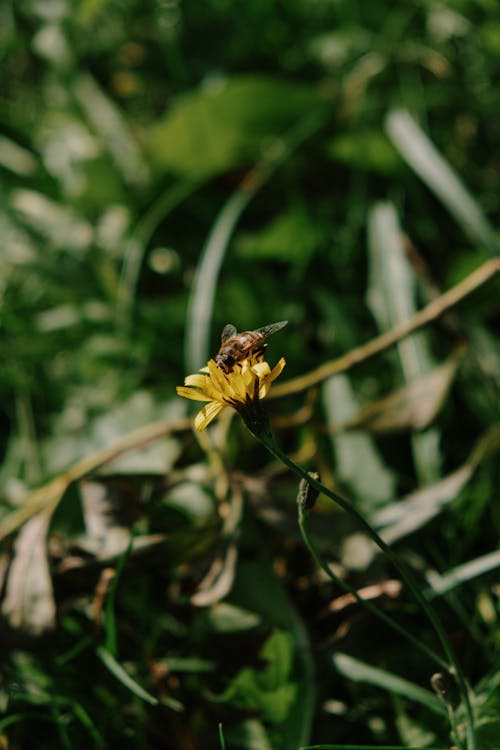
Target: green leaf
column 227, row 618
column 268, row 691
column 258, row 589
column 227, row 123
column 370, row 150
column 487, row 734
column 292, row 237
column 490, row 34
column 278, row 652
column 411, row 729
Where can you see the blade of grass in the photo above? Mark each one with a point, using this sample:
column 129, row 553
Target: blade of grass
column 202, row 297
column 83, row 717
column 108, row 120
column 358, row 671
column 423, row 157
column 122, row 676
column 391, row 297
column 441, row 584
column 89, row 725
column 56, row 703
column 221, row 738
column 207, row 273
column 110, row 624
column 136, row 247
column 22, row 717
column 372, row 608
column 405, row 572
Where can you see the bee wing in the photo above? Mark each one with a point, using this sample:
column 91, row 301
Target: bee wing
column 228, row 332
column 271, row 328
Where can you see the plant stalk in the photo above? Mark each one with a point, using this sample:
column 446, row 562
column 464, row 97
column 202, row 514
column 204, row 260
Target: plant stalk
column 268, row 441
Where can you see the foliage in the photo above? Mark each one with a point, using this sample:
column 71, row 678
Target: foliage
column 168, row 167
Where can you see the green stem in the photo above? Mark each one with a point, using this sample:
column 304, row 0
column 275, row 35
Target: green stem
column 221, row 737
column 303, row 514
column 268, row 441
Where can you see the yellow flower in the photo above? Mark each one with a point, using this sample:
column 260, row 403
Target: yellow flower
column 249, row 381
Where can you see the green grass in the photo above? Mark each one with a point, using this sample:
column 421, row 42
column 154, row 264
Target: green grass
column 167, row 168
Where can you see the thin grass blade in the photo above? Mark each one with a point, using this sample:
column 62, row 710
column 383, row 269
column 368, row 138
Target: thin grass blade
column 424, row 158
column 360, row 672
column 122, row 676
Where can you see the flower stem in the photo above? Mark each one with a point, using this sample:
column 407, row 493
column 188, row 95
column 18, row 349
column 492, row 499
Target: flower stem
column 374, row 610
column 407, row 576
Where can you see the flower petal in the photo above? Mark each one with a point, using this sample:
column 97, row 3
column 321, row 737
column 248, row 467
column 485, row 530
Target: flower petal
column 241, row 383
column 198, row 380
column 219, row 379
column 265, row 383
column 277, row 369
column 193, row 393
column 207, row 414
column 249, row 379
column 204, row 384
column 261, row 369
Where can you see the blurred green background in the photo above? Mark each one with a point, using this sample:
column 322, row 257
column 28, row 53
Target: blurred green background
column 168, row 167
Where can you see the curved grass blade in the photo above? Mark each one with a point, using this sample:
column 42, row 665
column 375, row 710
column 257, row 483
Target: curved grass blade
column 136, row 245
column 126, row 680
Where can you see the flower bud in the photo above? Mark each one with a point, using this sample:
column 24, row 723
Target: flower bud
column 307, row 494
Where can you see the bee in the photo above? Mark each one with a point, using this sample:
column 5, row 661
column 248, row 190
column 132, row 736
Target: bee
column 236, row 346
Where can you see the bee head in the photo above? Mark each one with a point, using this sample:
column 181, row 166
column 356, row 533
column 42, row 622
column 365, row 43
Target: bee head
column 225, row 362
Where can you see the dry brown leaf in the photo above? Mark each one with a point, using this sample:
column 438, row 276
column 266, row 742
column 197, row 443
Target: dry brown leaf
column 414, row 406
column 402, row 518
column 398, row 519
column 391, row 588
column 51, row 493
column 29, row 600
column 219, row 580
column 405, row 516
